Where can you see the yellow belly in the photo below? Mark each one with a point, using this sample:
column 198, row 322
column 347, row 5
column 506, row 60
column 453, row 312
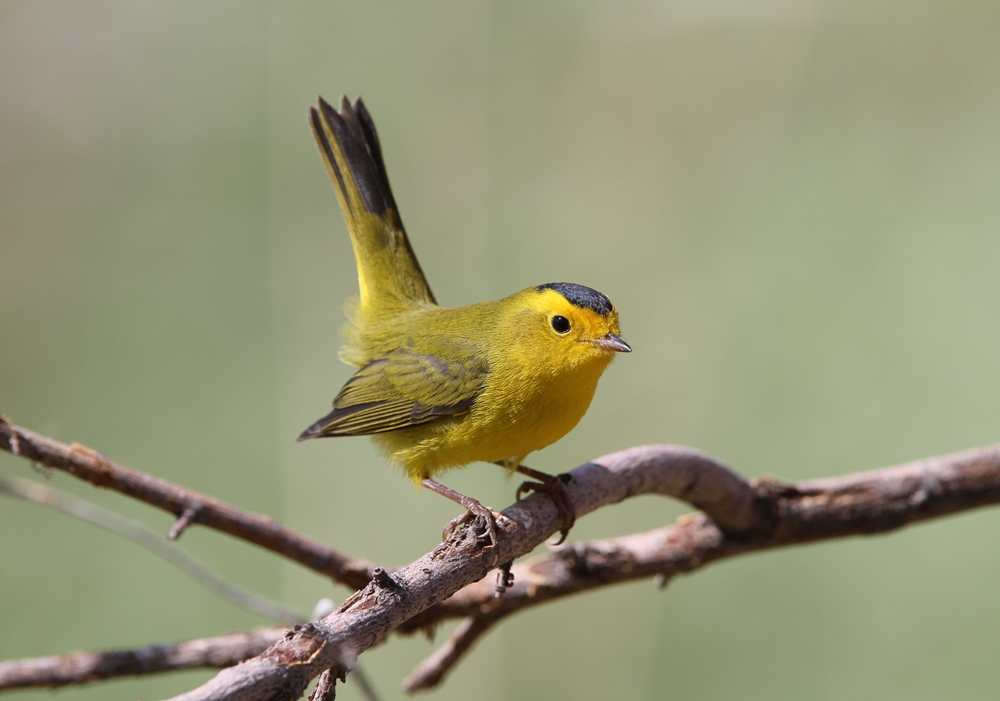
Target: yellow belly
column 511, row 419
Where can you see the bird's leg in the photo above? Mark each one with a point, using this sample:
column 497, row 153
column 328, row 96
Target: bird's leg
column 472, row 508
column 555, row 487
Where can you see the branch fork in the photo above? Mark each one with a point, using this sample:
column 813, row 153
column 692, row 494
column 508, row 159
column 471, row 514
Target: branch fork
column 737, row 517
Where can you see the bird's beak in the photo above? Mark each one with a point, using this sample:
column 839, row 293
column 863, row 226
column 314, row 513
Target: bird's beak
column 611, row 342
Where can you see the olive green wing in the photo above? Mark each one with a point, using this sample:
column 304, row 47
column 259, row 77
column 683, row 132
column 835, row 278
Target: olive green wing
column 402, row 389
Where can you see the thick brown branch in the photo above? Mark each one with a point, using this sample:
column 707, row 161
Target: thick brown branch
column 858, row 504
column 747, row 518
column 85, row 667
column 91, row 466
column 785, row 515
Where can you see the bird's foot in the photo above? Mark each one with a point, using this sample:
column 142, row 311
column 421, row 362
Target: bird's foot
column 555, row 487
column 473, row 509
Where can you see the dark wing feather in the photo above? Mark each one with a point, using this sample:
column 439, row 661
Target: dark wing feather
column 403, row 389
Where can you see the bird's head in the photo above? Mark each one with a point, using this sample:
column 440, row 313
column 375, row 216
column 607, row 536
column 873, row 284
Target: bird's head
column 576, row 324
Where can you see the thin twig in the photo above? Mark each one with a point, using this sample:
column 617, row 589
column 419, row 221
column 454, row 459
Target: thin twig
column 138, row 533
column 326, row 687
column 866, row 503
column 186, row 504
column 183, row 521
column 432, row 670
column 86, row 667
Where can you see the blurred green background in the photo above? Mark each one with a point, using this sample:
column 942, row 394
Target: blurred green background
column 793, row 203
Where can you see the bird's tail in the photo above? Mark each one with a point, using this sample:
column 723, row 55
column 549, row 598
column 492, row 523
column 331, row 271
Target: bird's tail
column 389, row 276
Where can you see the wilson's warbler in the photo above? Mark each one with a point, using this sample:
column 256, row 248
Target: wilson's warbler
column 440, row 387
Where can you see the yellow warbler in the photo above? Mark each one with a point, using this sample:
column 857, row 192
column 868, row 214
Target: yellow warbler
column 441, row 387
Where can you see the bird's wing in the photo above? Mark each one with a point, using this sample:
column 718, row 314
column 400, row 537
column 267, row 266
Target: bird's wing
column 389, row 275
column 404, row 388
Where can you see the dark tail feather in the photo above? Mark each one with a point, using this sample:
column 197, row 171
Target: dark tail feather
column 350, row 148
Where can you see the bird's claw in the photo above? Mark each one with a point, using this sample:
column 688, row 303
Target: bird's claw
column 474, row 510
column 555, row 487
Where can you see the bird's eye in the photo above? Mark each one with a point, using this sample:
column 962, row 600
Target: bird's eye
column 560, row 324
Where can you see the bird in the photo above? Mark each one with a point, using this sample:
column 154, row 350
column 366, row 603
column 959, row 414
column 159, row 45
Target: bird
column 438, row 387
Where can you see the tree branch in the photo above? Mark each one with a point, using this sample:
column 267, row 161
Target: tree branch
column 86, row 667
column 433, row 669
column 189, row 506
column 857, row 504
column 740, row 517
column 784, row 514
